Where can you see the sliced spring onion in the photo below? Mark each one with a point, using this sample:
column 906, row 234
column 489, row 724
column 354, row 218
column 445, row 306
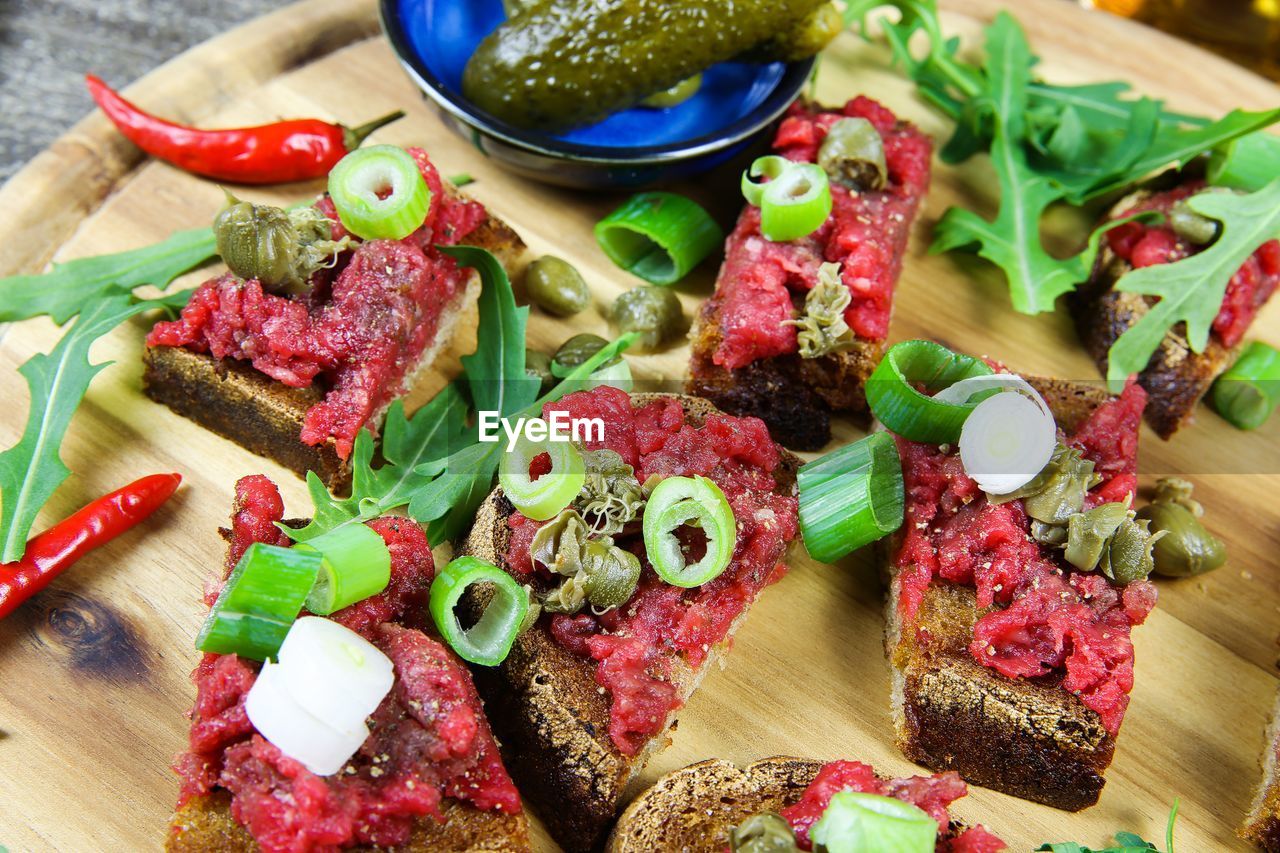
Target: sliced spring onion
column 896, row 402
column 354, row 565
column 294, row 730
column 544, row 497
column 658, row 236
column 379, row 193
column 855, row 822
column 793, row 203
column 1007, row 440
column 259, row 602
column 695, row 502
column 1249, row 391
column 1249, row 162
column 489, row 641
column 334, row 673
column 851, row 497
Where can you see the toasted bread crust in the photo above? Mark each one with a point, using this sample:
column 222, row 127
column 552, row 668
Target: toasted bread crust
column 794, row 396
column 1176, row 377
column 1262, row 824
column 694, row 808
column 551, row 717
column 1029, row 738
column 234, row 400
column 205, row 825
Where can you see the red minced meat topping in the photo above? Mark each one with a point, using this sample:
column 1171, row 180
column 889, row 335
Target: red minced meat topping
column 932, row 794
column 429, row 738
column 633, row 644
column 1042, row 617
column 866, row 233
column 1147, row 244
column 359, row 333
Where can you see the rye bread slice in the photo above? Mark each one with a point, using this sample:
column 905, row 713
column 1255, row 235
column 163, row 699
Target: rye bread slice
column 550, row 715
column 264, row 416
column 1176, row 377
column 1029, row 738
column 1262, row 824
column 794, row 396
column 205, row 825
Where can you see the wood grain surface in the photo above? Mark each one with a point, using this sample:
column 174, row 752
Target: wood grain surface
column 94, row 672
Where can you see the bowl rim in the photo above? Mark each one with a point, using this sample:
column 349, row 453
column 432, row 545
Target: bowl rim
column 787, row 89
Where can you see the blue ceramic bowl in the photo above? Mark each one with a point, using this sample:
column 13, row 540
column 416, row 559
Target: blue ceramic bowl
column 434, row 39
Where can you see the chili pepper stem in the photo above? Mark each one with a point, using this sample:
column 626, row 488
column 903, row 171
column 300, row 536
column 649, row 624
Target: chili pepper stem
column 352, row 137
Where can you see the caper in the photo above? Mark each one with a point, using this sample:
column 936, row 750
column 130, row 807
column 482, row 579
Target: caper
column 853, row 155
column 676, row 95
column 1127, row 556
column 1186, row 548
column 1060, row 487
column 575, row 352
column 1088, row 534
column 611, row 574
column 279, row 248
column 556, row 286
column 537, row 365
column 1191, row 226
column 653, row 313
column 766, row 832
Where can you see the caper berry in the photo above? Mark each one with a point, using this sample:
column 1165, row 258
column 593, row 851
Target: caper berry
column 576, row 351
column 1191, row 226
column 766, row 832
column 1186, row 548
column 538, row 366
column 556, row 286
column 653, row 313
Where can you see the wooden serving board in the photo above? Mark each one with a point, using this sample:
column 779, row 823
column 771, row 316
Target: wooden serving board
column 94, row 672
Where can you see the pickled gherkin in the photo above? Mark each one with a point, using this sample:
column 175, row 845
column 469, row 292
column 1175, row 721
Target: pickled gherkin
column 560, row 63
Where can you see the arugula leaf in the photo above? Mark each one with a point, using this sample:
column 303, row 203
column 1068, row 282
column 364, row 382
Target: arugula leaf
column 32, row 470
column 1191, row 289
column 496, row 370
column 65, row 289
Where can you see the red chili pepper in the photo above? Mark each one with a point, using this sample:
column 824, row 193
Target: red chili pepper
column 295, row 150
column 67, row 541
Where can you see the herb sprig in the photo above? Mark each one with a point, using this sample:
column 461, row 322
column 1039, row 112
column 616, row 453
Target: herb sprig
column 434, row 465
column 1047, row 143
column 1126, row 842
column 97, row 292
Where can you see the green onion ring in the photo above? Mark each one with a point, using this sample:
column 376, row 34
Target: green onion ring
column 658, row 236
column 794, row 203
column 1249, row 391
column 696, row 501
column 489, row 641
column 355, row 564
column 544, row 497
column 379, row 193
column 851, row 497
column 896, row 403
column 259, row 602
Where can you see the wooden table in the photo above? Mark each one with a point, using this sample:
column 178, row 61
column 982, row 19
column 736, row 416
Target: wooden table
column 93, row 673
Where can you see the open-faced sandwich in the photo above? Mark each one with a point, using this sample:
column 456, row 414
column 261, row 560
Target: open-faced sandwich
column 1176, row 377
column 801, row 307
column 645, row 546
column 781, row 803
column 1017, row 574
column 327, row 312
column 1262, row 826
column 361, row 729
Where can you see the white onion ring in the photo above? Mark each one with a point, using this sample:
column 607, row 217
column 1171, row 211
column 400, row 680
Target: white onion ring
column 334, row 673
column 295, row 731
column 1008, row 438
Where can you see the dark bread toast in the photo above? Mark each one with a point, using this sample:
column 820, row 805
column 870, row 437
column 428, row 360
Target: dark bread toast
column 1029, row 738
column 265, row 416
column 794, row 396
column 1176, row 377
column 550, row 715
column 205, row 825
column 1262, row 825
